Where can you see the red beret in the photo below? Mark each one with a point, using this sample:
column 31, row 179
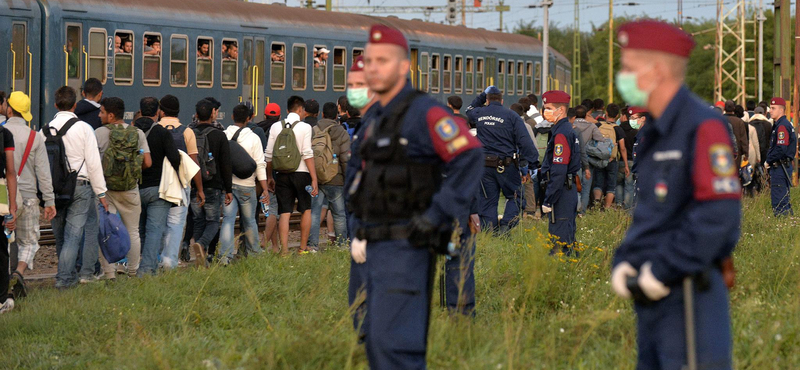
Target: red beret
column 555, row 97
column 656, row 36
column 380, row 34
column 272, row 109
column 636, row 110
column 777, row 101
column 358, row 64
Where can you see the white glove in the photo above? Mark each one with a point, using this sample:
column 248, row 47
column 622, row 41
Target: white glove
column 546, row 209
column 358, row 249
column 619, row 279
column 652, row 288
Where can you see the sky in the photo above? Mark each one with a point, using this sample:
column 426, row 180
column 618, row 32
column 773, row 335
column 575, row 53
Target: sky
column 561, row 13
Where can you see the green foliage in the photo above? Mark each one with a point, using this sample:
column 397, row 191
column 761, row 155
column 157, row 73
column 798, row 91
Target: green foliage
column 534, row 311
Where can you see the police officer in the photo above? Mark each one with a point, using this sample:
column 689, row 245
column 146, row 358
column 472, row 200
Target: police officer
column 403, row 207
column 562, row 161
column 782, row 148
column 687, row 219
column 502, row 133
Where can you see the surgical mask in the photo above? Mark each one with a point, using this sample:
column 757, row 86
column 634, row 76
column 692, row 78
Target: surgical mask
column 618, row 122
column 634, row 123
column 629, row 89
column 358, row 97
column 549, row 115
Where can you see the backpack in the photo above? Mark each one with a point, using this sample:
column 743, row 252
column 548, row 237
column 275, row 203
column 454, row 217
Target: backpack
column 115, row 242
column 599, row 152
column 285, row 154
column 323, row 155
column 608, row 132
column 208, row 164
column 122, row 161
column 242, row 164
column 177, row 136
column 64, row 178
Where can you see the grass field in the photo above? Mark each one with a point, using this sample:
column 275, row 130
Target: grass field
column 534, row 311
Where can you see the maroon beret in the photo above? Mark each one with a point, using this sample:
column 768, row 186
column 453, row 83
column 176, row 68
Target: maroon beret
column 777, row 101
column 555, row 97
column 380, row 34
column 656, row 36
column 358, row 64
column 636, row 110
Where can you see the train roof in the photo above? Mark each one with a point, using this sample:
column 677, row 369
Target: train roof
column 233, row 13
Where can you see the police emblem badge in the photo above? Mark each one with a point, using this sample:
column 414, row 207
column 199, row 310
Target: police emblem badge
column 559, row 149
column 721, row 160
column 446, row 128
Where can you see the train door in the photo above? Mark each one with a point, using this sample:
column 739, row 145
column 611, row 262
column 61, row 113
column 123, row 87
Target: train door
column 253, row 57
column 415, row 68
column 20, row 58
column 73, row 50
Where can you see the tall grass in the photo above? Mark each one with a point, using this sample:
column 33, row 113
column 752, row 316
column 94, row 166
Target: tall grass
column 534, row 311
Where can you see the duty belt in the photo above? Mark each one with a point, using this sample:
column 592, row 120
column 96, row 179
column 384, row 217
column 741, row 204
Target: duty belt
column 383, row 232
column 500, row 164
column 785, row 161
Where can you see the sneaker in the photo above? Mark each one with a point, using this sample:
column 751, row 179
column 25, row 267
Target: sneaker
column 184, row 254
column 88, row 280
column 7, row 306
column 19, row 290
column 199, row 255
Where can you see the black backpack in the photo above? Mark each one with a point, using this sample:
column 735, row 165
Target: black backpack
column 208, row 164
column 64, row 178
column 242, row 164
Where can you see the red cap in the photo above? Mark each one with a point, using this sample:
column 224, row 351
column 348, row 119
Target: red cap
column 720, row 104
column 272, row 109
column 777, row 101
column 656, row 36
column 358, row 64
column 380, row 34
column 636, row 110
column 555, row 97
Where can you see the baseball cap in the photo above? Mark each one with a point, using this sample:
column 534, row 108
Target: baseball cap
column 272, row 109
column 21, row 103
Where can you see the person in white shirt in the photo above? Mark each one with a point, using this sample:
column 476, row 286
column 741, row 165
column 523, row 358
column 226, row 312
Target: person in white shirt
column 80, row 145
column 244, row 190
column 292, row 186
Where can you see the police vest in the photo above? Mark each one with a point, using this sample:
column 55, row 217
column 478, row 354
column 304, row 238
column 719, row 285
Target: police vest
column 392, row 187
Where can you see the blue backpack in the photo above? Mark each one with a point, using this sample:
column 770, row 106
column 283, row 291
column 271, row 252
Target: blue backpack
column 115, row 242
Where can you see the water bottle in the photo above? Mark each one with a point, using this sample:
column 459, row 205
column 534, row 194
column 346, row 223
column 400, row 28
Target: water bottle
column 265, row 209
column 309, row 189
column 335, row 159
column 210, row 156
column 9, row 234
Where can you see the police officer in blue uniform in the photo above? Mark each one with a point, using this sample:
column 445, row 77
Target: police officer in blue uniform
column 686, row 223
column 502, row 133
column 562, row 161
column 782, row 149
column 404, row 209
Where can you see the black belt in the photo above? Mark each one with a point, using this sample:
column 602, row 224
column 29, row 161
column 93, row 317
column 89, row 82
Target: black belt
column 83, row 182
column 383, row 232
column 785, row 161
column 494, row 161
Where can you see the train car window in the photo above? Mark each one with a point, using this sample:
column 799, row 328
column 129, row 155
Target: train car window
column 469, row 74
column 247, row 61
column 435, row 66
column 424, row 67
column 19, row 42
column 278, row 66
column 479, row 74
column 339, row 69
column 510, row 76
column 501, row 76
column 520, row 78
column 97, row 54
column 529, row 78
column 72, row 50
column 458, row 83
column 179, row 60
column 321, row 54
column 357, row 52
column 447, row 74
column 299, row 63
column 537, row 79
column 260, row 53
column 123, row 58
column 204, row 62
column 230, row 63
column 151, row 59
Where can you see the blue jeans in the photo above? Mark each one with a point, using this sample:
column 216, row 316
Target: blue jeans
column 176, row 220
column 68, row 227
column 605, row 179
column 585, row 193
column 333, row 196
column 206, row 218
column 244, row 201
column 152, row 225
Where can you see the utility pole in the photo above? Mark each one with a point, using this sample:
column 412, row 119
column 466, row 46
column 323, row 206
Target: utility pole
column 500, row 8
column 310, row 4
column 546, row 44
column 328, row 5
column 761, row 19
column 680, row 14
column 464, row 13
column 610, row 51
column 576, row 56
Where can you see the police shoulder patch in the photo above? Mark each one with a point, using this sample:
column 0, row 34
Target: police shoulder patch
column 446, row 128
column 714, row 174
column 783, row 132
column 561, row 149
column 450, row 137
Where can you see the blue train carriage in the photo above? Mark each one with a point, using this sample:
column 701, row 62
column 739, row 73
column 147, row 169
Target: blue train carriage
column 20, row 30
column 237, row 51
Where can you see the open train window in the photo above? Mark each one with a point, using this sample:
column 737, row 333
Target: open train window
column 19, row 43
column 179, row 60
column 299, row 63
column 230, row 63
column 151, row 59
column 529, row 78
column 537, row 79
column 501, row 75
column 423, row 72
column 204, row 62
column 479, row 74
column 321, row 55
column 458, row 84
column 72, row 56
column 357, row 52
column 510, row 78
column 97, row 54
column 277, row 62
column 339, row 69
column 470, row 75
column 435, row 66
column 447, row 74
column 123, row 58
column 520, row 78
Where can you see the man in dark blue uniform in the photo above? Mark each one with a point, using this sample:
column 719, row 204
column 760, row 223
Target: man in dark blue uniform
column 404, row 208
column 562, row 161
column 502, row 133
column 687, row 219
column 782, row 148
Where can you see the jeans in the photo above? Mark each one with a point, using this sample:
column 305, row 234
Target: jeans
column 333, row 196
column 206, row 218
column 586, row 192
column 176, row 220
column 244, row 201
column 68, row 227
column 152, row 225
column 605, row 179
